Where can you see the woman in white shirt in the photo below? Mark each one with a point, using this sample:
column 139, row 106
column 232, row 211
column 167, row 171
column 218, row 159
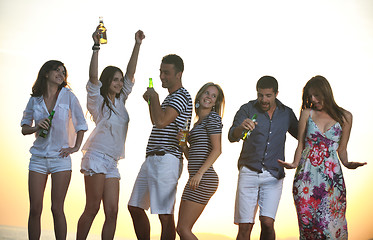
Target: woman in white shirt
column 106, row 99
column 51, row 153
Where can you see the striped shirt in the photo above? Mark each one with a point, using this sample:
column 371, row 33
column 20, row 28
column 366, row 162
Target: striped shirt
column 164, row 139
column 199, row 150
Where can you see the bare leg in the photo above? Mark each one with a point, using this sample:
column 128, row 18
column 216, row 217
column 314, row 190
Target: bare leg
column 60, row 184
column 168, row 226
column 189, row 212
column 110, row 200
column 94, row 188
column 36, row 185
column 268, row 230
column 244, row 231
column 140, row 222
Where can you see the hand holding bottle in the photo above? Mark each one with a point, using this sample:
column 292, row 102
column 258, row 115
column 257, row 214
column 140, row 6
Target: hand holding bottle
column 44, row 124
column 248, row 125
column 184, row 134
column 96, row 35
column 150, row 92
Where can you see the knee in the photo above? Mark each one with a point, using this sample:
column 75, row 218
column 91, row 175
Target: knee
column 111, row 212
column 57, row 210
column 244, row 230
column 35, row 210
column 267, row 223
column 92, row 209
column 182, row 230
column 134, row 210
column 166, row 218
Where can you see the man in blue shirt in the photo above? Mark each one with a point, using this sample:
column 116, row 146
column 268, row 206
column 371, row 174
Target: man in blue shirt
column 260, row 176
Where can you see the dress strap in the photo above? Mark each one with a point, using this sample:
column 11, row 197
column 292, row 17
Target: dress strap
column 311, row 113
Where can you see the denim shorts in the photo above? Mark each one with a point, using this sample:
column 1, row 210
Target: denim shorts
column 255, row 190
column 96, row 163
column 46, row 165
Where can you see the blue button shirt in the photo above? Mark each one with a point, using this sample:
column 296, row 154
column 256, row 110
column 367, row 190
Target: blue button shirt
column 266, row 143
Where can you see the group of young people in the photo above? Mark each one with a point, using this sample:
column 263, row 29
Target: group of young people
column 322, row 132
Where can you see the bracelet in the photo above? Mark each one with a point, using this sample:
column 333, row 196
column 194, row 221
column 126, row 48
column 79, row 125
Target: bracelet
column 96, row 47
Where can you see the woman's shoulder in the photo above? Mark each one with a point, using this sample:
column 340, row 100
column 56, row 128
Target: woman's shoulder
column 214, row 117
column 347, row 115
column 306, row 113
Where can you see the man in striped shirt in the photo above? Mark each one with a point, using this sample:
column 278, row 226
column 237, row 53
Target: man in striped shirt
column 156, row 183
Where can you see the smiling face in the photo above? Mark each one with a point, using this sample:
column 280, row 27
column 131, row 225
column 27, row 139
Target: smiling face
column 116, row 84
column 208, row 97
column 316, row 99
column 266, row 99
column 56, row 76
column 170, row 79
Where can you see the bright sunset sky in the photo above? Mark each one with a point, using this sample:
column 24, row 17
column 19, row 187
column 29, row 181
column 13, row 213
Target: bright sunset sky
column 232, row 43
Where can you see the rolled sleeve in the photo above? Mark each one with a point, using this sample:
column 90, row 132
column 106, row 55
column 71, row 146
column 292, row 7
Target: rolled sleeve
column 77, row 116
column 127, row 87
column 27, row 118
column 240, row 116
column 94, row 98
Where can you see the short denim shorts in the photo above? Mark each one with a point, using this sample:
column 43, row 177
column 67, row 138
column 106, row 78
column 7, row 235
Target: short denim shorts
column 99, row 163
column 46, row 165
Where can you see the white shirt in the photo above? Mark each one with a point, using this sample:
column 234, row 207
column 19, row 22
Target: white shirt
column 68, row 119
column 110, row 132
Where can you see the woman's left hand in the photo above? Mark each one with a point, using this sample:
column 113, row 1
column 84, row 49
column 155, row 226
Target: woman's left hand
column 65, row 152
column 194, row 181
column 354, row 165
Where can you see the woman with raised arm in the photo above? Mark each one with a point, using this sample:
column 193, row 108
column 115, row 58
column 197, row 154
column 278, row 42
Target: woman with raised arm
column 319, row 189
column 50, row 153
column 204, row 148
column 106, row 99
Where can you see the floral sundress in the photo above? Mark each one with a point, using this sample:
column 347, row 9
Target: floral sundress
column 319, row 189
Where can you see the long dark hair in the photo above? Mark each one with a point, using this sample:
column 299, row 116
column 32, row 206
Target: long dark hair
column 323, row 88
column 106, row 78
column 40, row 85
column 220, row 100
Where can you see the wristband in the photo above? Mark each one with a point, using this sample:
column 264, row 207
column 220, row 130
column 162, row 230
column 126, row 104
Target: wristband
column 96, row 47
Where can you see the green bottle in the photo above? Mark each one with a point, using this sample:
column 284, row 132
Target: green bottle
column 246, row 133
column 43, row 133
column 150, row 86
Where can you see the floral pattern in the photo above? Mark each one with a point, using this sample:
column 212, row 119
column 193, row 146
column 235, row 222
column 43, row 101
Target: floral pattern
column 319, row 190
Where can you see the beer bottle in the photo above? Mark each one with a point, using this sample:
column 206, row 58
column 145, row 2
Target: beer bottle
column 103, row 38
column 246, row 133
column 185, row 131
column 150, row 86
column 43, row 133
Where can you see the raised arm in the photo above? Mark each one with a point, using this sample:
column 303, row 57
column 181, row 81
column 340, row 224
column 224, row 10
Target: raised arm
column 131, row 67
column 93, row 66
column 342, row 149
column 301, row 135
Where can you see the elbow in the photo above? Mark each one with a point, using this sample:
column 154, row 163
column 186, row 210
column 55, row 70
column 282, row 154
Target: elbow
column 160, row 124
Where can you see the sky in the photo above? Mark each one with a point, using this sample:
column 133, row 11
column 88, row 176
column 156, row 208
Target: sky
column 232, row 43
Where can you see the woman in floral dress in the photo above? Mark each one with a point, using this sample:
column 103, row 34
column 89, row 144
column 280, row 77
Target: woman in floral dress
column 319, row 190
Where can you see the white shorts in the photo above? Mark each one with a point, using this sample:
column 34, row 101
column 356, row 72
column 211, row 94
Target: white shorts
column 96, row 162
column 156, row 184
column 49, row 165
column 256, row 189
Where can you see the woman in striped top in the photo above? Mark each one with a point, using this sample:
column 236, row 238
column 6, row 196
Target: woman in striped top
column 204, row 148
